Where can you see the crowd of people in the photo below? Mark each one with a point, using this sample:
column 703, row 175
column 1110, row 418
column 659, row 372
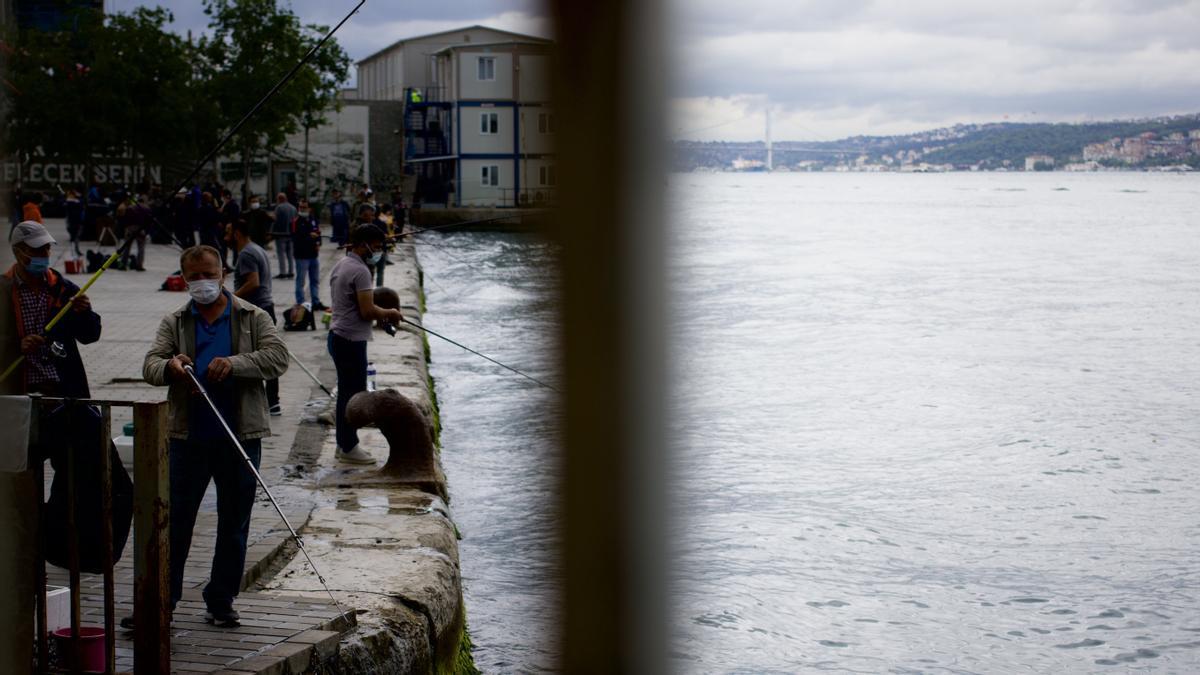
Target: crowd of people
column 227, row 337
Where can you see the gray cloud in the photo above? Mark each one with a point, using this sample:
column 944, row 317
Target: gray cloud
column 379, row 23
column 933, row 62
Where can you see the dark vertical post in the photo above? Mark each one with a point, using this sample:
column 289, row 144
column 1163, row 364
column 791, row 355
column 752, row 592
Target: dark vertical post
column 106, row 516
column 151, row 585
column 39, row 573
column 73, row 554
column 609, row 84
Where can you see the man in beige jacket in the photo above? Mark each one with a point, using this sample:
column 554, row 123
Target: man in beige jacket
column 232, row 347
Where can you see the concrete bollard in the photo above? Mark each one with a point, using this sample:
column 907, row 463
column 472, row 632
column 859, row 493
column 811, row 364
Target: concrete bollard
column 409, row 434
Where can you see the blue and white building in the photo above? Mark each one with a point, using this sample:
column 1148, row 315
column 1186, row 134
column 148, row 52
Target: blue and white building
column 478, row 127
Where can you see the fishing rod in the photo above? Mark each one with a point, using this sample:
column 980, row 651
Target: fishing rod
column 67, row 306
column 183, row 185
column 390, row 329
column 309, row 372
column 258, row 476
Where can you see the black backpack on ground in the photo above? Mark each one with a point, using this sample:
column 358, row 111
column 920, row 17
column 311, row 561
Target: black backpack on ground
column 299, row 318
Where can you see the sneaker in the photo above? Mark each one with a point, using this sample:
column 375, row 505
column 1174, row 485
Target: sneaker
column 356, row 456
column 229, row 619
column 276, row 410
column 319, row 307
column 128, row 624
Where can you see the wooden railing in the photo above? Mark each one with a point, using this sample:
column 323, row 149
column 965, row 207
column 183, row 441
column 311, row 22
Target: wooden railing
column 151, row 523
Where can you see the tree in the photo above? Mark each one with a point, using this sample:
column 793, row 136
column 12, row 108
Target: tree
column 116, row 85
column 254, row 43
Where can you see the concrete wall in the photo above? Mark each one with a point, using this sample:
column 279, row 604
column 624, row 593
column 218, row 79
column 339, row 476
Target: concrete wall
column 358, row 144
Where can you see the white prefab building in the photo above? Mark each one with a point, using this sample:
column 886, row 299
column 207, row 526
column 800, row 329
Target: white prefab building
column 502, row 120
column 478, row 129
column 408, row 63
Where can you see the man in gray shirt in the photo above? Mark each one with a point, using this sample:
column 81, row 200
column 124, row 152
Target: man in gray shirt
column 354, row 309
column 252, row 283
column 281, row 231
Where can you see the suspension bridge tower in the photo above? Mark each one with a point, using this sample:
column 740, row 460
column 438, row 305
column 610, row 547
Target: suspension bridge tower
column 770, row 157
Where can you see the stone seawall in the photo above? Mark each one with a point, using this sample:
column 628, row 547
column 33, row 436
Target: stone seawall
column 388, row 549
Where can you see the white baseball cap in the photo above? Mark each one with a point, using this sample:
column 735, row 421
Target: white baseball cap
column 31, row 233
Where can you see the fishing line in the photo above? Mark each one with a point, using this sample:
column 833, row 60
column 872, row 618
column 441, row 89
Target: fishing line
column 250, row 465
column 462, row 346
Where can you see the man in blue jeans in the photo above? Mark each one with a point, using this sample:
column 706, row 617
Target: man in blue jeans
column 232, row 346
column 354, row 309
column 306, row 245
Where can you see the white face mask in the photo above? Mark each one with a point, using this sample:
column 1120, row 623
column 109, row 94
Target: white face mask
column 254, row 205
column 304, row 213
column 375, row 257
column 204, row 291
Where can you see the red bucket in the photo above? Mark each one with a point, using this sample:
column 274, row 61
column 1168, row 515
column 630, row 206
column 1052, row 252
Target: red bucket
column 91, row 648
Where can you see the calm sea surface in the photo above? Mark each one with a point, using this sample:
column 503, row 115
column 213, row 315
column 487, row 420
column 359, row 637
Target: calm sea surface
column 924, row 423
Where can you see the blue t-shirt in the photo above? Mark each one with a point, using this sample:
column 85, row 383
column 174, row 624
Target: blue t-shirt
column 339, row 213
column 212, row 340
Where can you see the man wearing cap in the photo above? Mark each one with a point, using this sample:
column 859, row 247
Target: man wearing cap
column 31, row 294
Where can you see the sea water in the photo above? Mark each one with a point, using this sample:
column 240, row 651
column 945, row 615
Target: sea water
column 922, row 423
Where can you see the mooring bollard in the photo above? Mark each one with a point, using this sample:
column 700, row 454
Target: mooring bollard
column 409, row 434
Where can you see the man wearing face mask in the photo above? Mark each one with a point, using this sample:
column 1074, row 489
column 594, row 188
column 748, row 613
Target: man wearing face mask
column 30, row 295
column 260, row 221
column 232, row 347
column 354, row 310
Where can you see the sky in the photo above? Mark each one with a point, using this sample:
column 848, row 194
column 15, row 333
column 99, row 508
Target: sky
column 380, row 22
column 829, row 69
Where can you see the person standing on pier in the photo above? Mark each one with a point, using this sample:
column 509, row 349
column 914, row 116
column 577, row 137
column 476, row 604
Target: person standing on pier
column 281, row 232
column 306, row 242
column 232, row 347
column 252, row 283
column 339, row 218
column 354, row 310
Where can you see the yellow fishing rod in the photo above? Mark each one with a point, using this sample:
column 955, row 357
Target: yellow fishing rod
column 67, row 306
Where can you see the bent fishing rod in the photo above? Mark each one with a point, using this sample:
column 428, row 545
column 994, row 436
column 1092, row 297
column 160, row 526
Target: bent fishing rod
column 258, row 476
column 183, row 184
column 390, row 329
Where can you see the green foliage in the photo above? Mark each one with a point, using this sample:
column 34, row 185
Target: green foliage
column 123, row 85
column 112, row 85
column 253, row 44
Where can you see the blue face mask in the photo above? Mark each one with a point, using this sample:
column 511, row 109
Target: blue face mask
column 38, row 265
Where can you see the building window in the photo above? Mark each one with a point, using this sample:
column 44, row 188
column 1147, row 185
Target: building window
column 487, row 68
column 489, row 123
column 548, row 176
column 490, row 176
column 545, row 123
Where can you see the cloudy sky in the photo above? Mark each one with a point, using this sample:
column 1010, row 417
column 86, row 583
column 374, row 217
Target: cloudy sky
column 831, row 69
column 380, row 22
column 835, row 68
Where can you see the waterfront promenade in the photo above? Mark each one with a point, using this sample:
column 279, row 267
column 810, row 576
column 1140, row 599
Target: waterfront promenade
column 289, row 624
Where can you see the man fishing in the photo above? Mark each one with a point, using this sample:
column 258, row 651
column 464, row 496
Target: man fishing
column 232, row 346
column 30, row 295
column 354, row 309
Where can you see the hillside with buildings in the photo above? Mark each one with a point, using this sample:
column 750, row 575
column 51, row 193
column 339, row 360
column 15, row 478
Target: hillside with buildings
column 1166, row 143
